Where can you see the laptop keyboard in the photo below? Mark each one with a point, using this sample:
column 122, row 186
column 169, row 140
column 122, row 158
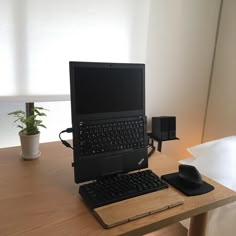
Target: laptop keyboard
column 110, row 136
column 120, row 187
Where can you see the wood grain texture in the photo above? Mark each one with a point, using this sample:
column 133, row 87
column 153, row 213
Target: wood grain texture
column 40, row 197
column 198, row 225
column 138, row 207
column 173, row 230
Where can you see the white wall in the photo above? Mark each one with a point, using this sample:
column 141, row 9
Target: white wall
column 39, row 38
column 175, row 38
column 221, row 115
column 179, row 54
column 8, row 131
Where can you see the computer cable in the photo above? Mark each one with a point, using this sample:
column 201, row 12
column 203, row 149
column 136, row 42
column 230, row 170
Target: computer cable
column 64, row 142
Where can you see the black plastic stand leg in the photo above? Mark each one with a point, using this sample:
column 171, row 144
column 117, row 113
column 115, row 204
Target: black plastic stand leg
column 159, row 146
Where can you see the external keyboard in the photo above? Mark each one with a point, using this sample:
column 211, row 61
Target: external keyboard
column 120, row 187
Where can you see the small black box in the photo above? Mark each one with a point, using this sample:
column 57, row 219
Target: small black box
column 164, row 127
column 160, row 127
column 172, row 127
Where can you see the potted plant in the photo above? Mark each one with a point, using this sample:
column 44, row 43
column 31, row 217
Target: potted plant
column 29, row 133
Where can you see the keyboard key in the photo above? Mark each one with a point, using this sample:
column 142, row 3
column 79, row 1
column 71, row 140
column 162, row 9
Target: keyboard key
column 111, row 136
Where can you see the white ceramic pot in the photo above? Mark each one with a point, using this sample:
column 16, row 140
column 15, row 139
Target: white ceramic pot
column 29, row 146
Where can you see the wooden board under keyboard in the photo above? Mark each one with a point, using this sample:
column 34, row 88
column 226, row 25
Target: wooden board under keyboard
column 128, row 210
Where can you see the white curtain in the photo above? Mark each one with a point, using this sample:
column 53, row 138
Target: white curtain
column 38, row 38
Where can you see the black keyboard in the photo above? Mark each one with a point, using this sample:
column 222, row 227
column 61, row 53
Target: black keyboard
column 117, row 188
column 109, row 136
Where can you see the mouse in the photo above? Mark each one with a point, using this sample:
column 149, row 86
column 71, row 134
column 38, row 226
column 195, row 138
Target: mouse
column 190, row 174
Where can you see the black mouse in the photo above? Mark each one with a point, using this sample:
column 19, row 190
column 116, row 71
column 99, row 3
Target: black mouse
column 190, row 175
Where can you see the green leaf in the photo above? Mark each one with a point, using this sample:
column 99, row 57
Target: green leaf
column 42, row 126
column 29, row 124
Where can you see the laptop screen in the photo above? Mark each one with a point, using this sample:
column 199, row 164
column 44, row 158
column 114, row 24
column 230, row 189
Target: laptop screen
column 107, row 88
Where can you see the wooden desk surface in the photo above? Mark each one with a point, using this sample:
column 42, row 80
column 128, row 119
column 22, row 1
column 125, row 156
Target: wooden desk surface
column 40, row 197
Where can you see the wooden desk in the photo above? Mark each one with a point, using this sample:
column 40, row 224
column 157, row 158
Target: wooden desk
column 40, row 198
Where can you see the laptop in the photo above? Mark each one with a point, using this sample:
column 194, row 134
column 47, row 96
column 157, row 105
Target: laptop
column 108, row 118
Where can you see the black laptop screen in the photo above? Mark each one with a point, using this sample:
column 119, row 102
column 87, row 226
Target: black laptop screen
column 103, row 89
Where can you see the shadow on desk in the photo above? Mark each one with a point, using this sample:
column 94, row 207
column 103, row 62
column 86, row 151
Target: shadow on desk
column 172, row 230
